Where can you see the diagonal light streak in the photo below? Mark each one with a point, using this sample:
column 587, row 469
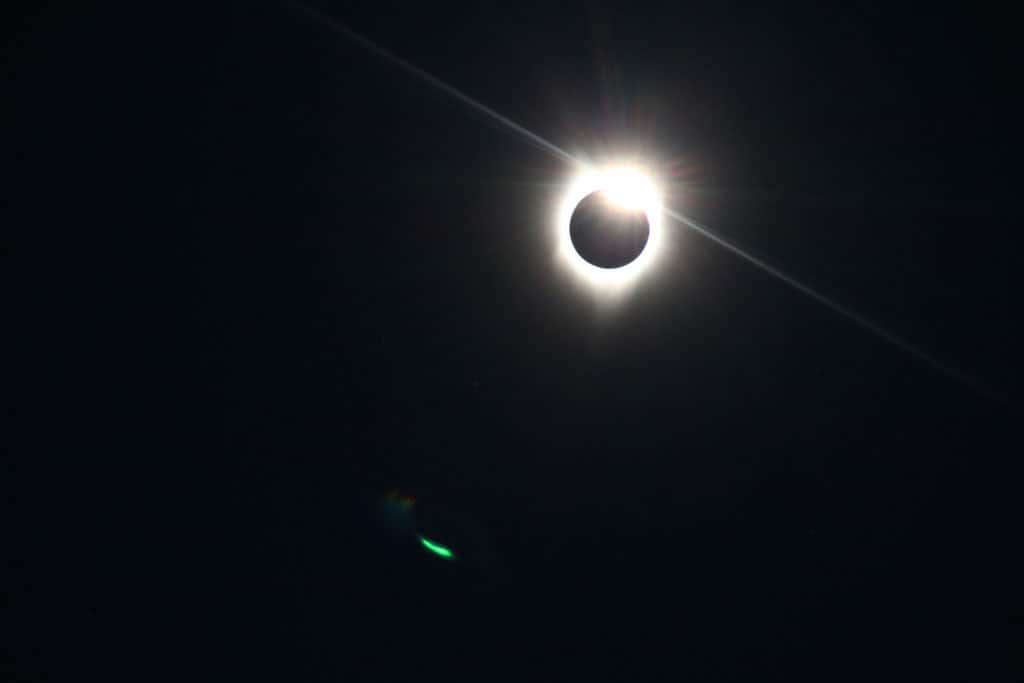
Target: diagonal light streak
column 430, row 79
column 839, row 308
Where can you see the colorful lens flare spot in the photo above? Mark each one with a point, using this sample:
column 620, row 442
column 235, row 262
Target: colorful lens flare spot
column 399, row 501
column 437, row 549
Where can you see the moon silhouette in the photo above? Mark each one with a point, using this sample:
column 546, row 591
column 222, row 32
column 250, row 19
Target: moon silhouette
column 607, row 234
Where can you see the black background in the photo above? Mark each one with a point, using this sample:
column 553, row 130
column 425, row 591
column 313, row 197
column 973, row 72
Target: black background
column 262, row 277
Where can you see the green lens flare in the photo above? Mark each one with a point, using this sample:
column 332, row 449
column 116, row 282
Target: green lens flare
column 439, row 550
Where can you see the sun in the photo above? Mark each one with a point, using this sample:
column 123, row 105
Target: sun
column 629, row 187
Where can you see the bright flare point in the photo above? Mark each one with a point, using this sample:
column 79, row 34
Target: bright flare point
column 629, row 189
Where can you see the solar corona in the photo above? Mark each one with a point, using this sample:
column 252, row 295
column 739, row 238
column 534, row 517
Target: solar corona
column 608, row 226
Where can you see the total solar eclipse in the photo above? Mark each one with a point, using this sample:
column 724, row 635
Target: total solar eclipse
column 607, row 250
column 607, row 234
column 609, row 226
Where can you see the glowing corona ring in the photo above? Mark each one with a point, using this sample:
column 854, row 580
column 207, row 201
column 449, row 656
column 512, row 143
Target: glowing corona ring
column 628, row 187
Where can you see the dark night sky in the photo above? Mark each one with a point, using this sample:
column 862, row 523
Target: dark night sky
column 263, row 277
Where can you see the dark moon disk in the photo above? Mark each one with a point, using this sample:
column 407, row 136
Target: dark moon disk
column 607, row 235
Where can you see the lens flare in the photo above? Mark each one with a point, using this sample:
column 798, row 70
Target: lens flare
column 437, row 548
column 628, row 187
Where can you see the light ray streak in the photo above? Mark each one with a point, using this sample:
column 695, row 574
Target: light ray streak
column 949, row 371
column 845, row 311
column 430, row 79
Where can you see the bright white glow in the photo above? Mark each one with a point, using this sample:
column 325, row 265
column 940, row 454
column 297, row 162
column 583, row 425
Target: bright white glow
column 628, row 187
